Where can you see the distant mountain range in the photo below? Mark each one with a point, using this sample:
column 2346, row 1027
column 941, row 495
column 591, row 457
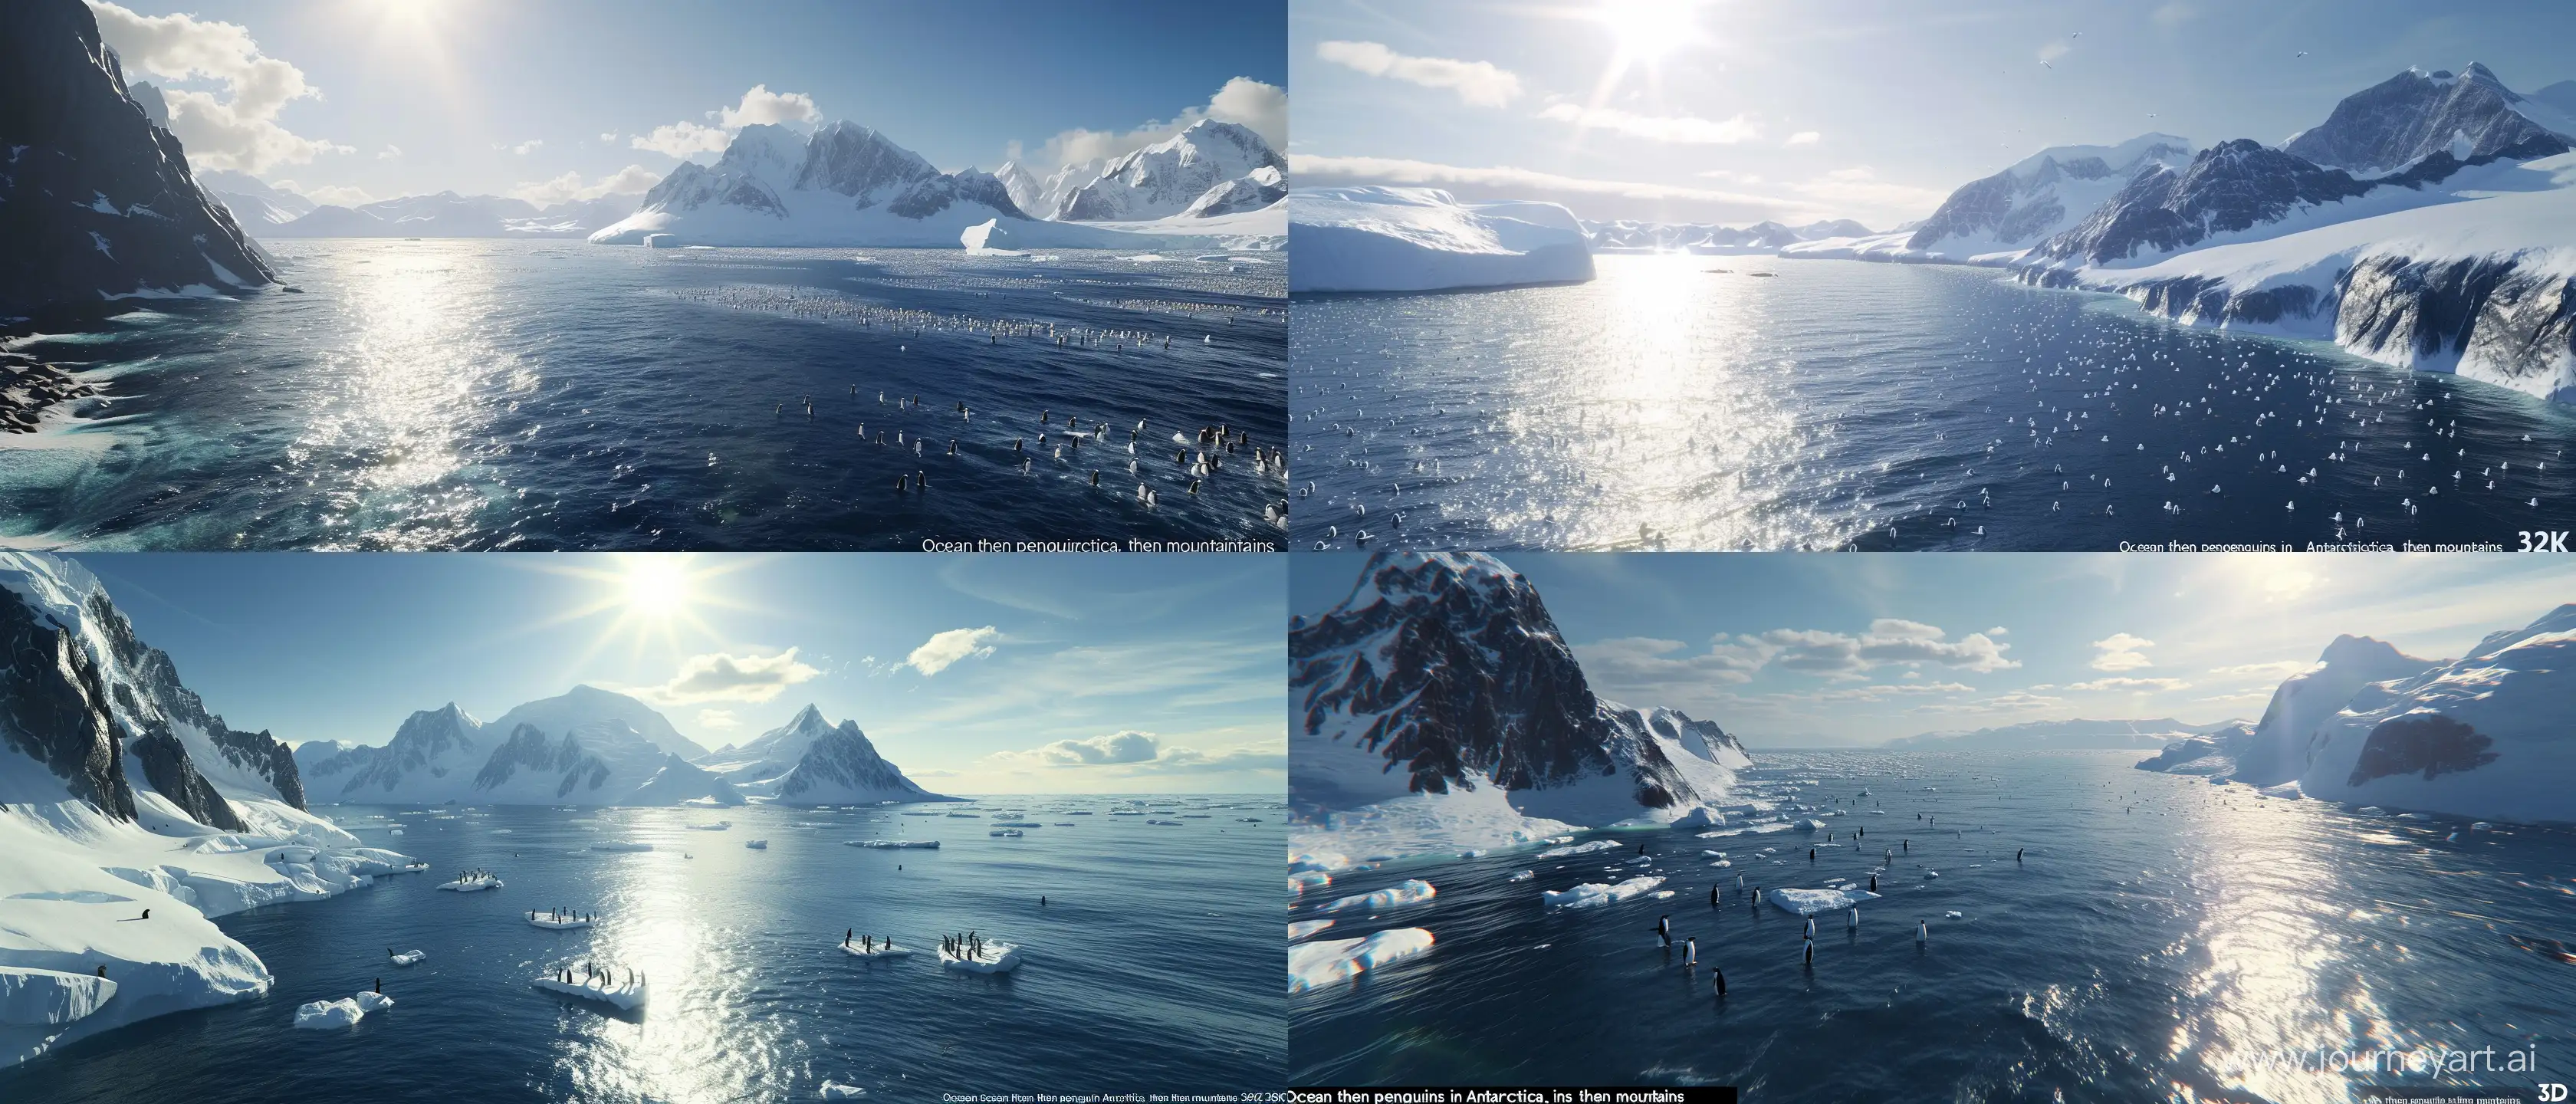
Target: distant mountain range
column 1627, row 236
column 2060, row 735
column 2429, row 223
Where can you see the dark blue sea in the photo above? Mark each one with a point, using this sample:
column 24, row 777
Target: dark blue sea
column 2161, row 939
column 1688, row 403
column 1153, row 966
column 484, row 394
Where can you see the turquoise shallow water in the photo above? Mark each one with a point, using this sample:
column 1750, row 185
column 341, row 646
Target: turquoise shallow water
column 1153, row 967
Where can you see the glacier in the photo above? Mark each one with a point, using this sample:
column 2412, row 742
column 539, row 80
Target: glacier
column 1373, row 238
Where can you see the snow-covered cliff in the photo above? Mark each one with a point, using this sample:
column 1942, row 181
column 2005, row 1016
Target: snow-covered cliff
column 1424, row 239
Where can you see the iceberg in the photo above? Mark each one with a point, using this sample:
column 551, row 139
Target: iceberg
column 48, row 997
column 834, row 1090
column 1808, row 902
column 372, row 1001
column 1423, row 239
column 1590, row 894
column 1411, row 892
column 1579, row 849
column 409, row 958
column 994, row 957
column 629, row 997
column 562, row 921
column 1300, row 929
column 321, row 1015
column 472, row 883
column 756, row 845
column 876, row 950
column 890, row 845
column 1325, row 961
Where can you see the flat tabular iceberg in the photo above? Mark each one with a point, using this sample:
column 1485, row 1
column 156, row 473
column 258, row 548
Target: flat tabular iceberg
column 1423, row 239
column 1590, row 894
column 1411, row 892
column 628, row 997
column 1326, row 961
column 1808, row 902
column 475, row 884
column 996, row 957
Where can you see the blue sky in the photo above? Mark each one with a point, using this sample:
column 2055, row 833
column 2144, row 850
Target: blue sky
column 1779, row 649
column 971, row 672
column 354, row 99
column 1736, row 110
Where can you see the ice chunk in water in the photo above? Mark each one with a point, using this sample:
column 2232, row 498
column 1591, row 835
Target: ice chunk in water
column 1808, row 902
column 834, row 1090
column 1300, row 929
column 1326, row 961
column 322, row 1015
column 1590, row 894
column 1410, row 892
column 1579, row 848
column 372, row 1001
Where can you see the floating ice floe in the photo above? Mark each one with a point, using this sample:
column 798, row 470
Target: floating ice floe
column 719, row 826
column 1954, row 914
column 834, row 1090
column 879, row 950
column 1300, row 929
column 628, row 997
column 323, row 1015
column 995, row 957
column 409, row 958
column 621, row 846
column 756, row 845
column 1304, row 880
column 474, row 884
column 1410, row 892
column 1579, row 849
column 1523, row 876
column 1326, row 961
column 560, row 921
column 1153, row 820
column 1808, row 902
column 1010, row 833
column 893, row 845
column 1590, row 894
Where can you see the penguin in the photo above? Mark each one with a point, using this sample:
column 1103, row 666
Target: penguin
column 1721, row 981
column 1923, row 931
column 1664, row 929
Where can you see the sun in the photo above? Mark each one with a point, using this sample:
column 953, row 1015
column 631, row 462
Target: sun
column 1648, row 29
column 656, row 585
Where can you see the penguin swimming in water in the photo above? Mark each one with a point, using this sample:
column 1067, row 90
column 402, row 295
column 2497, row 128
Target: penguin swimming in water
column 1664, row 928
column 1811, row 929
column 1811, row 953
column 1855, row 919
column 1690, row 951
column 2017, row 854
column 1923, row 931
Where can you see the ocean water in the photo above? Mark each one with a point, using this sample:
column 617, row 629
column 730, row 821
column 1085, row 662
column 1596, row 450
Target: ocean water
column 1688, row 403
column 476, row 394
column 1153, row 967
column 2162, row 939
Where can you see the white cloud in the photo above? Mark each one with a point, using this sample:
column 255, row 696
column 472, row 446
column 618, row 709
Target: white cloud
column 1636, row 662
column 717, row 719
column 1804, row 138
column 945, row 649
column 532, row 145
column 2122, row 652
column 1243, row 101
column 2054, row 50
column 1888, row 641
column 631, row 180
column 337, row 195
column 1858, row 186
column 717, row 676
column 1677, row 129
column 607, row 136
column 2124, row 683
column 1130, row 752
column 2277, row 669
column 239, row 131
column 682, row 139
column 1477, row 83
column 685, row 139
column 760, row 105
column 389, row 153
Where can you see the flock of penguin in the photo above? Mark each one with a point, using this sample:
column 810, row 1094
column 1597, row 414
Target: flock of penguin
column 2040, row 421
column 1195, row 456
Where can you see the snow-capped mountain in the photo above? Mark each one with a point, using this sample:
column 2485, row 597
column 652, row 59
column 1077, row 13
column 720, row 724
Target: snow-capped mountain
column 1439, row 692
column 119, row 792
column 1998, row 217
column 1193, row 172
column 2033, row 735
column 844, row 185
column 1044, row 198
column 1691, row 237
column 2481, row 736
column 586, row 747
column 96, row 200
column 449, row 215
column 838, row 766
column 758, row 763
column 2413, row 115
column 252, row 201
